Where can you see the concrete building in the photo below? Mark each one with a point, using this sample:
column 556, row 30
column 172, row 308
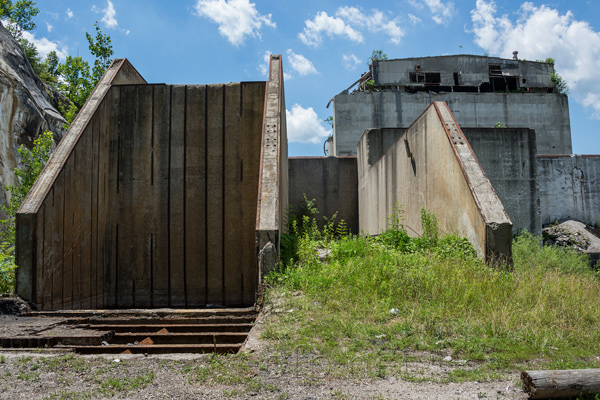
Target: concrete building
column 481, row 92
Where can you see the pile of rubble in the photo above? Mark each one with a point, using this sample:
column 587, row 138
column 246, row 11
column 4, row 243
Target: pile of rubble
column 575, row 235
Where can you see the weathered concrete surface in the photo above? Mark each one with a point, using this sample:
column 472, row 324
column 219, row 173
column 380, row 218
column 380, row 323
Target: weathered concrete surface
column 331, row 181
column 25, row 110
column 462, row 70
column 273, row 184
column 546, row 113
column 432, row 166
column 569, row 188
column 507, row 155
column 149, row 201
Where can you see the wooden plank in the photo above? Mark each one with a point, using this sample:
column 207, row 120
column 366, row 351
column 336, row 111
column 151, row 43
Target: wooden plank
column 177, row 218
column 160, row 225
column 233, row 258
column 250, row 143
column 142, row 193
column 40, row 257
column 128, row 204
column 45, row 277
column 214, row 191
column 195, row 206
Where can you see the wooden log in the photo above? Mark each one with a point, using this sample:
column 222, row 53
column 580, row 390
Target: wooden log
column 561, row 383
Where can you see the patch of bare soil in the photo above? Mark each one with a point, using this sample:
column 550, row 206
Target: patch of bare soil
column 261, row 373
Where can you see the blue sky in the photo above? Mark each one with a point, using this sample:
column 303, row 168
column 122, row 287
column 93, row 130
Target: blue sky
column 326, row 44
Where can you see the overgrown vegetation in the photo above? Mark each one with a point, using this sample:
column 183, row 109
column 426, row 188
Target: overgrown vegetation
column 32, row 163
column 374, row 298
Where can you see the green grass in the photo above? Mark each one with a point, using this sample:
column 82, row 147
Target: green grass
column 448, row 302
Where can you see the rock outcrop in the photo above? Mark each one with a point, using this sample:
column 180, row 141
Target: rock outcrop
column 25, row 109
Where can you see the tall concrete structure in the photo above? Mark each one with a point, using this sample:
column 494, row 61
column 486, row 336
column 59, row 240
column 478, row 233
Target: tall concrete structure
column 480, row 91
column 158, row 196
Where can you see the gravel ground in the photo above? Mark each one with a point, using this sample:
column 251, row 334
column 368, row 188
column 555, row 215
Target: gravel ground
column 259, row 373
column 56, row 376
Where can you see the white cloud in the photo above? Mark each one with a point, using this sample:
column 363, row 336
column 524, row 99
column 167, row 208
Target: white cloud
column 49, row 27
column 69, row 13
column 45, row 46
column 542, row 32
column 350, row 61
column 304, row 125
column 414, row 19
column 109, row 17
column 347, row 23
column 300, row 64
column 441, row 12
column 237, row 19
column 312, row 33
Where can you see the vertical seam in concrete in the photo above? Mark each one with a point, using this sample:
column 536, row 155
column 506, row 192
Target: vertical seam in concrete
column 205, row 195
column 93, row 126
column 116, row 277
column 185, row 289
column 120, row 120
column 152, row 142
column 98, row 266
column 62, row 261
column 169, row 201
column 151, row 270
column 223, row 131
column 43, row 266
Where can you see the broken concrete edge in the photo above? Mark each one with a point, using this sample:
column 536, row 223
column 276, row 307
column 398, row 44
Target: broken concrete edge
column 498, row 238
column 272, row 197
column 26, row 218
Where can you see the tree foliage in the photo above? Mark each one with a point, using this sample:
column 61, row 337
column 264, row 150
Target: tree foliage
column 377, row 55
column 19, row 15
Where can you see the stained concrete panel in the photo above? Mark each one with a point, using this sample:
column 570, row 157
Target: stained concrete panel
column 546, row 113
column 331, row 181
column 144, row 199
column 432, row 166
column 508, row 157
column 569, row 188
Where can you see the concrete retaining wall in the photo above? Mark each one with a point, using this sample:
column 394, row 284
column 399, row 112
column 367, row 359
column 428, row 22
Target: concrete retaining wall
column 149, row 201
column 546, row 113
column 508, row 158
column 569, row 188
column 331, row 181
column 431, row 166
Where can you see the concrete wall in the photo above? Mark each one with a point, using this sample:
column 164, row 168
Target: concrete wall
column 569, row 188
column 508, row 158
column 152, row 203
column 431, row 166
column 273, row 184
column 331, row 181
column 471, row 70
column 546, row 113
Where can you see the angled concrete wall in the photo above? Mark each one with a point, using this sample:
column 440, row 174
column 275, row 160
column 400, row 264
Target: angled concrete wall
column 331, row 181
column 273, row 174
column 508, row 157
column 150, row 200
column 431, row 165
column 569, row 188
column 546, row 113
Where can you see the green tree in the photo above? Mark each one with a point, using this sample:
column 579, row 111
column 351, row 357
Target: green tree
column 377, row 55
column 78, row 79
column 559, row 83
column 32, row 162
column 19, row 15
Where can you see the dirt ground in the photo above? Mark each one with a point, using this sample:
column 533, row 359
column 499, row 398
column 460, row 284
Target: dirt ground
column 260, row 373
